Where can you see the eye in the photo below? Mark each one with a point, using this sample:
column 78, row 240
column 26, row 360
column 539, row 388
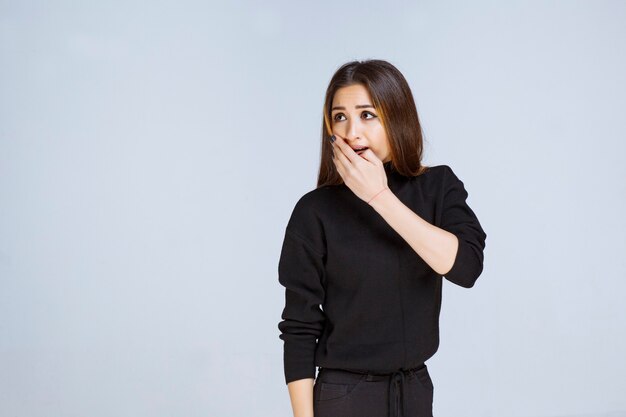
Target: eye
column 336, row 117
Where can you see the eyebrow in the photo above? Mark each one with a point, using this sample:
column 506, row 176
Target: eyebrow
column 358, row 106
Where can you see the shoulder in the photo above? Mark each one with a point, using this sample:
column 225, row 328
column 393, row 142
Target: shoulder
column 306, row 220
column 441, row 174
column 312, row 203
column 438, row 171
column 309, row 209
column 434, row 178
column 442, row 183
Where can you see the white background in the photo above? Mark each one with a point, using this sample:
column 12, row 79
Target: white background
column 151, row 154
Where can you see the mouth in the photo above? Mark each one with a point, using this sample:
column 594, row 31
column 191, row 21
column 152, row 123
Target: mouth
column 360, row 149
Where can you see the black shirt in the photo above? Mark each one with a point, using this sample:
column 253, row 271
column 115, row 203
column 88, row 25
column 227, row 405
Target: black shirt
column 357, row 296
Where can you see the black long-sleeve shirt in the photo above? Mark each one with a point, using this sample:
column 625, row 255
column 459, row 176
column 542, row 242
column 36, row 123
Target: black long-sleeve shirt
column 379, row 300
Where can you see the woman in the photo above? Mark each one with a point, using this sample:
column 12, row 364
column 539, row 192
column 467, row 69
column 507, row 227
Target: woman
column 364, row 255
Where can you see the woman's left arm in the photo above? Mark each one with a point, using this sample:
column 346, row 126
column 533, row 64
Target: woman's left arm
column 454, row 250
column 437, row 247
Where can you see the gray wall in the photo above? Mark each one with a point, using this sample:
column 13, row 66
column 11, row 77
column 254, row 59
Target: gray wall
column 151, row 154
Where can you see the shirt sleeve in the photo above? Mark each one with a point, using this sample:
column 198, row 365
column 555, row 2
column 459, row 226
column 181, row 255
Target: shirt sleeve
column 301, row 271
column 458, row 218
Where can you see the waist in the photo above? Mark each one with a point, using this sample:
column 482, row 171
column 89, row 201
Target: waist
column 372, row 375
column 395, row 380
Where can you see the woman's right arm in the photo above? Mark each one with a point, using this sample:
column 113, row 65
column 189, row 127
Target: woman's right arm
column 301, row 270
column 303, row 320
column 301, row 394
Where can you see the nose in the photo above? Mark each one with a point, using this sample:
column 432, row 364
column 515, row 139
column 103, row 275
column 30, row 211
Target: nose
column 352, row 131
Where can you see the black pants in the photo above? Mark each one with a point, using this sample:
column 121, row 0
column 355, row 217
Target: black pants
column 353, row 393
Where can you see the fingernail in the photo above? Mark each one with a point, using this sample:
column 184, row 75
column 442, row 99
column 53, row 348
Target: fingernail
column 332, row 138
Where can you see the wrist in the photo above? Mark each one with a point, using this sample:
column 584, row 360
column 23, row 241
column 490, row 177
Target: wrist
column 378, row 195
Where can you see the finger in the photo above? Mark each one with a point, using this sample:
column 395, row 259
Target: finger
column 370, row 156
column 338, row 166
column 341, row 158
column 346, row 149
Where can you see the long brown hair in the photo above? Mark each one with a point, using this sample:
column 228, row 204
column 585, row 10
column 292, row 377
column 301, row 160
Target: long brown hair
column 393, row 100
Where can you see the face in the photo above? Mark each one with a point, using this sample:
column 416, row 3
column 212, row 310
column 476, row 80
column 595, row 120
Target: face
column 354, row 118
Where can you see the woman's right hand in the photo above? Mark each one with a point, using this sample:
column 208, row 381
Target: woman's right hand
column 301, row 394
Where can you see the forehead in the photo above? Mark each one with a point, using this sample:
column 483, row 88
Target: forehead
column 353, row 94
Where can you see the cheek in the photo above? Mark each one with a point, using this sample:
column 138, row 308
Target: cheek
column 338, row 128
column 382, row 143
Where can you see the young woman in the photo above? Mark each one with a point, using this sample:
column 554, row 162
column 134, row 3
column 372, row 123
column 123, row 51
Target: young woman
column 365, row 252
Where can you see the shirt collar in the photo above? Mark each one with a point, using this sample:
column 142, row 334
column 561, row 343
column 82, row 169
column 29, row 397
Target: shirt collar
column 394, row 178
